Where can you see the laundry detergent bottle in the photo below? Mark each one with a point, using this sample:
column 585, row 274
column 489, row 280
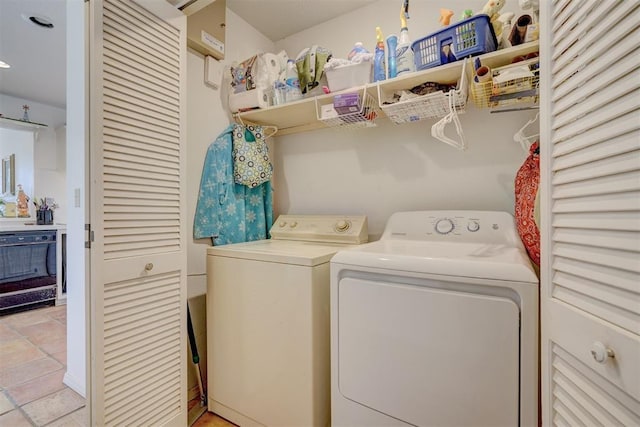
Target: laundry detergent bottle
column 379, row 69
column 293, row 92
column 392, row 44
column 404, row 53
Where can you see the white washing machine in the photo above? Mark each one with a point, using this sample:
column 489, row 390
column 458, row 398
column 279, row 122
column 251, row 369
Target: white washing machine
column 435, row 324
column 268, row 312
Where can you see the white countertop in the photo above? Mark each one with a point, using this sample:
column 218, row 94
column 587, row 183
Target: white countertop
column 12, row 225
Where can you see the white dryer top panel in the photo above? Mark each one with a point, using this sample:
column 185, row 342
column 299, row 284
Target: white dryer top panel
column 475, row 244
column 482, row 261
column 280, row 251
column 306, row 240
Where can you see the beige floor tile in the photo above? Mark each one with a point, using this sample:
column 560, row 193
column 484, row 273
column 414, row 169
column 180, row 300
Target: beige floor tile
column 18, row 352
column 61, row 357
column 5, row 404
column 59, row 313
column 27, row 371
column 53, row 406
column 17, row 345
column 53, row 345
column 26, row 318
column 81, row 415
column 209, row 419
column 74, row 419
column 14, row 419
column 7, row 334
column 42, row 332
column 37, row 388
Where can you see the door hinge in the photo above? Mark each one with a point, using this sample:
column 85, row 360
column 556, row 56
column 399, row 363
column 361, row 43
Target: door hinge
column 89, row 236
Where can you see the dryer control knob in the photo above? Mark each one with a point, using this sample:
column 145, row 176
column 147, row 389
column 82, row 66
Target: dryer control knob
column 444, row 226
column 473, row 226
column 342, row 225
column 293, row 224
column 282, row 224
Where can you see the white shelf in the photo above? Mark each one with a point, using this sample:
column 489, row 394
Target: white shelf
column 300, row 116
column 8, row 123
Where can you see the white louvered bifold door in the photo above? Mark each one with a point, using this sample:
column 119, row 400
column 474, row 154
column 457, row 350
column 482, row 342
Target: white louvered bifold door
column 591, row 214
column 138, row 257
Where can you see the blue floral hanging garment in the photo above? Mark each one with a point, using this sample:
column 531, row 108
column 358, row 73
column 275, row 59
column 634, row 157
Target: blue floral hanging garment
column 229, row 212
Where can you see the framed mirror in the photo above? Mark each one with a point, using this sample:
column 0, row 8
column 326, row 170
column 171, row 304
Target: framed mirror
column 9, row 175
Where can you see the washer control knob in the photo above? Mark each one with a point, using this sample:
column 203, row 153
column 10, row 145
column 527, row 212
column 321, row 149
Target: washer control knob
column 293, row 224
column 601, row 353
column 444, row 226
column 282, row 224
column 473, row 226
column 342, row 226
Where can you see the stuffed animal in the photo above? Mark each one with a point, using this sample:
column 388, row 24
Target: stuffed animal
column 492, row 8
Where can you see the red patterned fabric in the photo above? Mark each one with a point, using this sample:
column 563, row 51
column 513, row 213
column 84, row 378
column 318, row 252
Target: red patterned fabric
column 527, row 180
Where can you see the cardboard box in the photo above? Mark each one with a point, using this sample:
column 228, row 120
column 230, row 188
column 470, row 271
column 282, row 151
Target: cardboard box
column 347, row 103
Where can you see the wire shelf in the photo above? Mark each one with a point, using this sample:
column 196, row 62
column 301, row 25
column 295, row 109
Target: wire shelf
column 503, row 91
column 365, row 117
column 431, row 106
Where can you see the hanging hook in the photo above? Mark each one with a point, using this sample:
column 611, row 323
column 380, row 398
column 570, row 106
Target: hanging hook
column 437, row 130
column 524, row 140
column 268, row 130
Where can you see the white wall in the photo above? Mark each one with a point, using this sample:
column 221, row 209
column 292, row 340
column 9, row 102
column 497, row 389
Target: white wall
column 77, row 120
column 19, row 143
column 47, row 168
column 206, row 119
column 391, row 168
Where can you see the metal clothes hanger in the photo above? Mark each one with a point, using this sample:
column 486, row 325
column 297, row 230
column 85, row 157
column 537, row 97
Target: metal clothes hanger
column 524, row 140
column 268, row 130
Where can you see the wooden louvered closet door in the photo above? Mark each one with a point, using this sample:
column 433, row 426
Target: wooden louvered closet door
column 591, row 222
column 138, row 256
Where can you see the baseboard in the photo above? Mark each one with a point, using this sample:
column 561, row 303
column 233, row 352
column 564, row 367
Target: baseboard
column 78, row 386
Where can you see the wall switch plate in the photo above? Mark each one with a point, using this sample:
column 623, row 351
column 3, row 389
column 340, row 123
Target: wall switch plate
column 212, row 71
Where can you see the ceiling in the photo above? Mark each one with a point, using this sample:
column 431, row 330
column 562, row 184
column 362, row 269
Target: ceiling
column 278, row 19
column 37, row 55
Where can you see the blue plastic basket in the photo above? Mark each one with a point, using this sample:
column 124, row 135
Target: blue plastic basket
column 473, row 36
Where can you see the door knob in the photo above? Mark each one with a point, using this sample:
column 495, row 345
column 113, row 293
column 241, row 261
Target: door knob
column 149, row 266
column 601, row 353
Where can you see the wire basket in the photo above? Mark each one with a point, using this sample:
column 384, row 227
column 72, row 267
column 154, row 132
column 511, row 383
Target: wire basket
column 472, row 36
column 365, row 117
column 510, row 85
column 431, row 106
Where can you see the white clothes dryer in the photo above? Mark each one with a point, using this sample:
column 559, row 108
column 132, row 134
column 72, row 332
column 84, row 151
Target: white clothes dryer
column 268, row 355
column 435, row 324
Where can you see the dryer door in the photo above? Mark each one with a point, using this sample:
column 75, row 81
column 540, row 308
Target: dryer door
column 427, row 355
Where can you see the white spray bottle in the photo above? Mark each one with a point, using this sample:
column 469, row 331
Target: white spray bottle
column 404, row 53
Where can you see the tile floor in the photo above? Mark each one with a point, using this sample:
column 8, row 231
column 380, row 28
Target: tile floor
column 33, row 357
column 33, row 360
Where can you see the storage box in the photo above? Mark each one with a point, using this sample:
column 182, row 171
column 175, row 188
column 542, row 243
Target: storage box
column 347, row 103
column 511, row 84
column 348, row 76
column 472, row 36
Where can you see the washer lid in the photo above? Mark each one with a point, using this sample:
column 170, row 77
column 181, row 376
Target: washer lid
column 476, row 260
column 280, row 251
